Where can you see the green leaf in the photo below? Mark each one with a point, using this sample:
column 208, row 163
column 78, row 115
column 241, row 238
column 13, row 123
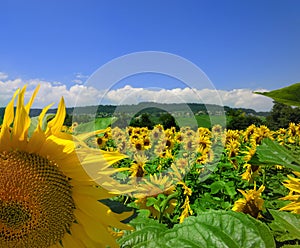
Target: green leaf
column 273, row 153
column 289, row 95
column 215, row 187
column 230, row 189
column 150, row 201
column 145, row 231
column 209, row 229
column 285, row 225
column 220, row 229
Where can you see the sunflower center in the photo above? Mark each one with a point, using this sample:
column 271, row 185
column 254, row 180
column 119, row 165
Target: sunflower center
column 36, row 204
column 13, row 214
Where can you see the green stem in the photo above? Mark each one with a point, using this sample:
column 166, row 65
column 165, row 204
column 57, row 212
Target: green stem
column 163, row 208
column 264, row 176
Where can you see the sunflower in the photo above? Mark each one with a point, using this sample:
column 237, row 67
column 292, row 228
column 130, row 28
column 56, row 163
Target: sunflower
column 293, row 184
column 101, row 142
column 232, row 135
column 46, row 197
column 252, row 203
column 232, row 148
column 152, row 187
column 137, row 168
column 260, row 133
column 251, row 172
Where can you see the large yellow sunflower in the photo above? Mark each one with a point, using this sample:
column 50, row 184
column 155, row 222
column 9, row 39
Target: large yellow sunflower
column 46, row 197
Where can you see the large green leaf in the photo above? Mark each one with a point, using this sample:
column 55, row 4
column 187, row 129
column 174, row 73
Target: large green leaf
column 289, row 95
column 273, row 153
column 145, row 231
column 290, row 246
column 286, row 226
column 209, row 229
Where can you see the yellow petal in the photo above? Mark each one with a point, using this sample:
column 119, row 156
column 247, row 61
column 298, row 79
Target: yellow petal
column 7, row 120
column 71, row 242
column 78, row 232
column 41, row 117
column 94, row 229
column 91, row 207
column 22, row 119
column 29, row 104
column 85, row 136
column 9, row 111
column 97, row 193
column 38, row 137
column 55, row 125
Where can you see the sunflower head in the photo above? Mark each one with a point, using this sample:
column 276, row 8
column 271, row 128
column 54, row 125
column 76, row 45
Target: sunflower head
column 252, row 203
column 46, row 197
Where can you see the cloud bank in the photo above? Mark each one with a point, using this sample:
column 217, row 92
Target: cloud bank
column 81, row 95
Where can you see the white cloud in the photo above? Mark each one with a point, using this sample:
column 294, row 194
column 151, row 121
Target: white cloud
column 82, row 95
column 244, row 98
column 80, row 78
column 3, row 76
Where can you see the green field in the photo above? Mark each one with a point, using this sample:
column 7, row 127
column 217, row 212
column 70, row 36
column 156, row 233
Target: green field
column 203, row 120
column 98, row 123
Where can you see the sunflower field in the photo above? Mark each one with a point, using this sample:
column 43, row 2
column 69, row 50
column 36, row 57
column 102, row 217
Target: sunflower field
column 136, row 187
column 241, row 197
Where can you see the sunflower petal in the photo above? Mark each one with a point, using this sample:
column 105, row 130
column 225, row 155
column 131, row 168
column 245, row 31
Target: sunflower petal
column 7, row 120
column 55, row 125
column 22, row 119
column 95, row 230
column 29, row 104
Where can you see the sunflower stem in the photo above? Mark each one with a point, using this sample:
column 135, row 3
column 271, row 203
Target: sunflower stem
column 163, row 208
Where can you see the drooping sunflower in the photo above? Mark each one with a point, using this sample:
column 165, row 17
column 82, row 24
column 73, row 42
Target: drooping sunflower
column 251, row 172
column 46, row 197
column 187, row 211
column 252, row 203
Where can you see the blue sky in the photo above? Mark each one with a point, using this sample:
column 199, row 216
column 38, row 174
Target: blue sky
column 238, row 44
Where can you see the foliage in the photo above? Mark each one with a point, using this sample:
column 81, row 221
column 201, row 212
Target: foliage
column 210, row 229
column 142, row 121
column 270, row 152
column 168, row 121
column 285, row 226
column 239, row 120
column 282, row 115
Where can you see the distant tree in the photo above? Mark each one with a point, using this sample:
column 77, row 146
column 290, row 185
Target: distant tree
column 168, row 121
column 281, row 115
column 68, row 120
column 142, row 121
column 239, row 120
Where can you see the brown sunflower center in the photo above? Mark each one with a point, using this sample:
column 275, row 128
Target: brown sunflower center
column 13, row 214
column 36, row 204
